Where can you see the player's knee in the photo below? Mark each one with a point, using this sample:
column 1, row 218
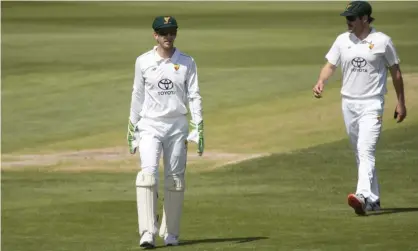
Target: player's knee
column 153, row 168
column 174, row 183
column 146, row 180
column 365, row 150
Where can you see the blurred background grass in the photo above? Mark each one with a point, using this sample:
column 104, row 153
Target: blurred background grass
column 67, row 67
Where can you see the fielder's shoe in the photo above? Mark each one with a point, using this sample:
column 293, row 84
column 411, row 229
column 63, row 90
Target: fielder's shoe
column 358, row 203
column 171, row 240
column 373, row 206
column 147, row 240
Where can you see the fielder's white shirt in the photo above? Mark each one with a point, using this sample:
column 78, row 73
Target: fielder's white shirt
column 363, row 63
column 163, row 87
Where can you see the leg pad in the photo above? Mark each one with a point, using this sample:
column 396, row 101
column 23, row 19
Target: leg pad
column 173, row 205
column 146, row 195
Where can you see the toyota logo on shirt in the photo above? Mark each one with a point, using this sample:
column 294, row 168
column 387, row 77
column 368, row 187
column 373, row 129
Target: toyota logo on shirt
column 359, row 63
column 166, row 85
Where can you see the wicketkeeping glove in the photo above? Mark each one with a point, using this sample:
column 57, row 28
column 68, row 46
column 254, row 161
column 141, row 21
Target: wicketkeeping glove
column 131, row 138
column 200, row 139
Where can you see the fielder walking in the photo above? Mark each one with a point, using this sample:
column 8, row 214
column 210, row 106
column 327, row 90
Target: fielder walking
column 165, row 83
column 365, row 55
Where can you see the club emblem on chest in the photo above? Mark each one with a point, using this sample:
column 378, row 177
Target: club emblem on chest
column 371, row 45
column 176, row 67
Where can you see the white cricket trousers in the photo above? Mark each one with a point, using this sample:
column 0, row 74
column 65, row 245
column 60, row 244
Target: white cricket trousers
column 363, row 122
column 167, row 136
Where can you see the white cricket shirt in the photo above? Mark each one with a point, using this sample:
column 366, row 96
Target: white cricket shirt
column 363, row 63
column 163, row 87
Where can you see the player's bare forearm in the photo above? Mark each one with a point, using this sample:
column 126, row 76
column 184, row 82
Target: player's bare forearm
column 397, row 79
column 324, row 75
column 400, row 110
column 326, row 72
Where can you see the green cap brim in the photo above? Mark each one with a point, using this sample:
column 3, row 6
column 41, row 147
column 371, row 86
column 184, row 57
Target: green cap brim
column 348, row 14
column 165, row 26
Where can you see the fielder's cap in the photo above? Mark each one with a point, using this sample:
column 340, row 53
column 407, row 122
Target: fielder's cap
column 357, row 8
column 162, row 22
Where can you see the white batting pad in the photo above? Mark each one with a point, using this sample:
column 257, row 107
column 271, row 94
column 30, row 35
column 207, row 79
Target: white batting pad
column 163, row 226
column 146, row 198
column 173, row 205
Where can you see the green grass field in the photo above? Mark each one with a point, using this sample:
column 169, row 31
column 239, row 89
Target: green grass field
column 277, row 167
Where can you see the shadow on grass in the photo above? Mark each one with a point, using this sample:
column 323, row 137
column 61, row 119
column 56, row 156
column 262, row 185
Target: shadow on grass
column 216, row 240
column 393, row 211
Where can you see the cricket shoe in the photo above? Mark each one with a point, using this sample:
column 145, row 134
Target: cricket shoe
column 358, row 203
column 373, row 206
column 147, row 241
column 171, row 240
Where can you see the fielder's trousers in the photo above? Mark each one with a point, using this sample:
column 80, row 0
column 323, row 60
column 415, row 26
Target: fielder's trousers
column 363, row 121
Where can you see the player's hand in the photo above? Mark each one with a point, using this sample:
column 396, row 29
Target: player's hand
column 131, row 138
column 400, row 112
column 318, row 89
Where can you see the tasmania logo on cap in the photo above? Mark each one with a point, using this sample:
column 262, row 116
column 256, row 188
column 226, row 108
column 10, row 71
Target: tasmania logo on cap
column 166, row 20
column 348, row 6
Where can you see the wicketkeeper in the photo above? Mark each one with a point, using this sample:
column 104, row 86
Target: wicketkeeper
column 165, row 86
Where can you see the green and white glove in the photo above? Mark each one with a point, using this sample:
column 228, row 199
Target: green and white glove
column 201, row 142
column 196, row 135
column 131, row 138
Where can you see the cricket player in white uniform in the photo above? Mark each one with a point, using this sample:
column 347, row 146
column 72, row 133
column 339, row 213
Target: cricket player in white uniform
column 165, row 84
column 365, row 55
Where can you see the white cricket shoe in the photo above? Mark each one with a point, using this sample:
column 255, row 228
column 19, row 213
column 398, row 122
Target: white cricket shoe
column 147, row 240
column 171, row 240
